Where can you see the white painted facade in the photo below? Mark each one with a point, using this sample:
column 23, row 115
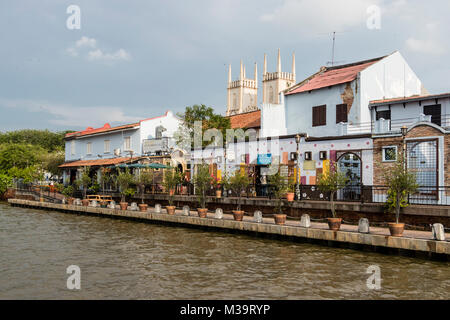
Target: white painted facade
column 389, row 77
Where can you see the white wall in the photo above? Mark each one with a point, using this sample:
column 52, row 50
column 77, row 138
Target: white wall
column 273, row 120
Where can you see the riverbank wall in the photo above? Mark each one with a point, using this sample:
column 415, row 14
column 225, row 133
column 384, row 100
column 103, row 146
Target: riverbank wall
column 414, row 243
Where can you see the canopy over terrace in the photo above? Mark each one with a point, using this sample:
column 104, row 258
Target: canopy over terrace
column 141, row 166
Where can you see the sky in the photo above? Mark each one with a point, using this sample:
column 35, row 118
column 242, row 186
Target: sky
column 131, row 60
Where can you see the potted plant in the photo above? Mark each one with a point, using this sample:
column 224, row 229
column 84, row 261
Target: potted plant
column 331, row 182
column 400, row 184
column 202, row 182
column 171, row 180
column 279, row 185
column 124, row 180
column 83, row 181
column 290, row 190
column 68, row 193
column 238, row 182
column 144, row 179
column 217, row 186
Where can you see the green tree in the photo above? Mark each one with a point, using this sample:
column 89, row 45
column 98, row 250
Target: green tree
column 124, row 180
column 84, row 180
column 19, row 155
column 144, row 179
column 209, row 120
column 202, row 182
column 51, row 162
column 238, row 182
column 50, row 141
column 400, row 184
column 331, row 182
column 5, row 183
column 172, row 178
column 279, row 184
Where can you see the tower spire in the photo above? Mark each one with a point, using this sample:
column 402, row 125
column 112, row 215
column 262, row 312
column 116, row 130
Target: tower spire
column 229, row 73
column 265, row 64
column 241, row 74
column 293, row 63
column 256, row 75
column 245, row 76
column 279, row 61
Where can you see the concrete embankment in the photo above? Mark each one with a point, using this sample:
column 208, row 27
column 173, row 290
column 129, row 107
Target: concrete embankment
column 414, row 243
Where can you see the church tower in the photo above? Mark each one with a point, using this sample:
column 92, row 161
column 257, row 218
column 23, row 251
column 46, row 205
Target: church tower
column 242, row 93
column 275, row 82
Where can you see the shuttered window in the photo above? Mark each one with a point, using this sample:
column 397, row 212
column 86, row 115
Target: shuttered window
column 341, row 113
column 385, row 114
column 435, row 112
column 319, row 116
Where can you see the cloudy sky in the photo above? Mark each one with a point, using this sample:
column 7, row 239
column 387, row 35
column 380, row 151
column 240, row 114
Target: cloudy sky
column 136, row 59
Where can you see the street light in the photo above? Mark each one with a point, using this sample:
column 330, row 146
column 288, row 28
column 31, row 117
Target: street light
column 297, row 178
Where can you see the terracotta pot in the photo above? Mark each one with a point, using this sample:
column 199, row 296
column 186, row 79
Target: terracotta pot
column 170, row 210
column 143, row 207
column 218, row 194
column 334, row 223
column 85, row 202
column 238, row 215
column 202, row 213
column 171, row 192
column 396, row 229
column 279, row 218
column 70, row 201
column 290, row 196
column 123, row 205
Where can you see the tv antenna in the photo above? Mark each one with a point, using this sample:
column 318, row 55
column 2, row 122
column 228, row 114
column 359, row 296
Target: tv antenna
column 332, row 62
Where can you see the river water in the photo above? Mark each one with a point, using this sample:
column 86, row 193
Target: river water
column 130, row 260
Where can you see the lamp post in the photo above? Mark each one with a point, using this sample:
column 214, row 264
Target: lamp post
column 297, row 178
column 404, row 131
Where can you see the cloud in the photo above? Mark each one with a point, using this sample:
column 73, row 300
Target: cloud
column 72, row 116
column 97, row 54
column 430, row 41
column 320, row 15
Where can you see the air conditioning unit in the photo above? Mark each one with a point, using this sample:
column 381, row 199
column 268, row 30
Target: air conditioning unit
column 293, row 155
column 322, row 155
column 117, row 152
column 308, row 155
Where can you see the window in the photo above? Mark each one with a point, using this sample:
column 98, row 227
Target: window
column 389, row 154
column 127, row 143
column 107, row 146
column 319, row 116
column 89, row 148
column 72, row 147
column 385, row 114
column 435, row 112
column 341, row 113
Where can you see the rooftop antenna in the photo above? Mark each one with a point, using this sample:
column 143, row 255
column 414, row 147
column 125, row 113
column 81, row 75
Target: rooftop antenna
column 332, row 62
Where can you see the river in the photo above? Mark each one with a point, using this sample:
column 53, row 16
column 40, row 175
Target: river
column 129, row 260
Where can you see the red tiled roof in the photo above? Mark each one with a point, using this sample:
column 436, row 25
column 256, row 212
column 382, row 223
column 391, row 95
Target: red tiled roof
column 99, row 162
column 406, row 99
column 331, row 76
column 246, row 120
column 105, row 128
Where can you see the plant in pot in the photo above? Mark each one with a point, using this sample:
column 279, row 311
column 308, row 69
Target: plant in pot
column 290, row 189
column 144, row 179
column 331, row 182
column 172, row 179
column 400, row 184
column 238, row 183
column 279, row 185
column 83, row 181
column 217, row 184
column 68, row 193
column 202, row 182
column 124, row 180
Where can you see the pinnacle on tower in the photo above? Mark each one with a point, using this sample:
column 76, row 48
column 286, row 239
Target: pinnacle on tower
column 279, row 62
column 229, row 73
column 293, row 63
